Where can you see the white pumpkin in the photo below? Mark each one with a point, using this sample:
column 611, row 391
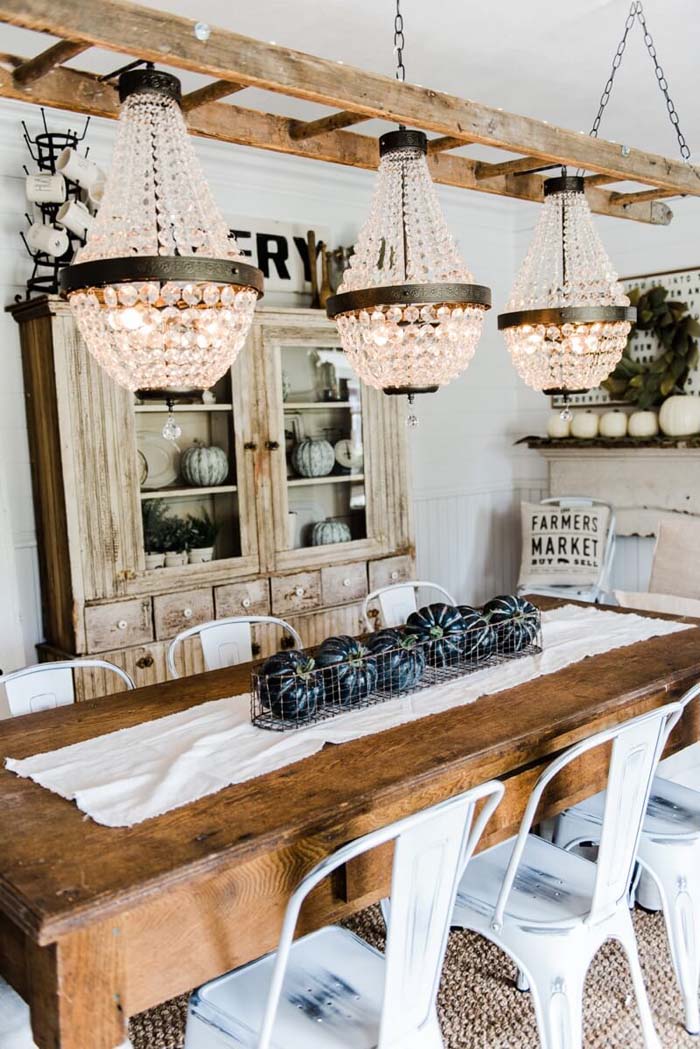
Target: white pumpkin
column 613, row 424
column 558, row 427
column 584, row 425
column 643, row 424
column 680, row 415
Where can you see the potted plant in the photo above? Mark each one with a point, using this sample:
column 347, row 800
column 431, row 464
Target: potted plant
column 154, row 516
column 174, row 539
column 201, row 538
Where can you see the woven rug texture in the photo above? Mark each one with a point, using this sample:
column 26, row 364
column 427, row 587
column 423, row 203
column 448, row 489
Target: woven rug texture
column 480, row 1008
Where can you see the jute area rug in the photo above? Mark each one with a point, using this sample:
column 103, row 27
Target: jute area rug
column 481, row 1009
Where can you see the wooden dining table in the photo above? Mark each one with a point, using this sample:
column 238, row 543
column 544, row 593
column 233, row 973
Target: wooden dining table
column 98, row 924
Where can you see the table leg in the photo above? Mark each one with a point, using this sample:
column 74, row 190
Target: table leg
column 76, row 991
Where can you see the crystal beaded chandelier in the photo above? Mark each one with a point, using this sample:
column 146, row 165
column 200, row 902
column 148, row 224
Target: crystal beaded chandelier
column 408, row 311
column 160, row 293
column 568, row 318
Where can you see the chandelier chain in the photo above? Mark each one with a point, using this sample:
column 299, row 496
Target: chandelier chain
column 399, row 43
column 636, row 13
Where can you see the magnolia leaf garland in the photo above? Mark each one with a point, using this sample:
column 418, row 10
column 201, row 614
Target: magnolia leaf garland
column 648, row 384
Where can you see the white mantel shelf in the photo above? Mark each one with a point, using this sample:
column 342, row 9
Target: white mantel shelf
column 644, row 481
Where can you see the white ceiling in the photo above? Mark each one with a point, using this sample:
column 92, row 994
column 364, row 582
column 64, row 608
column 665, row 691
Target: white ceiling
column 541, row 58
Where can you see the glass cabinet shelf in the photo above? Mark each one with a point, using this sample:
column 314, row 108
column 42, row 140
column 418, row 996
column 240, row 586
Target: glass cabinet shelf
column 186, row 493
column 301, row 406
column 298, row 482
column 180, row 408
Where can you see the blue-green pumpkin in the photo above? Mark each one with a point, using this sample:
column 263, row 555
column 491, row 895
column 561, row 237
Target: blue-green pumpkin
column 479, row 636
column 350, row 674
column 400, row 659
column 313, row 457
column 325, row 532
column 290, row 686
column 442, row 629
column 516, row 622
column 204, row 466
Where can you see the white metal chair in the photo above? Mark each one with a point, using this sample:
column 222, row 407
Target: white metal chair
column 48, row 685
column 331, row 989
column 551, row 910
column 227, row 642
column 597, row 591
column 669, row 860
column 35, row 688
column 398, row 600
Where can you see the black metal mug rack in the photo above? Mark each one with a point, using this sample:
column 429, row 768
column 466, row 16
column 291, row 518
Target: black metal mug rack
column 45, row 150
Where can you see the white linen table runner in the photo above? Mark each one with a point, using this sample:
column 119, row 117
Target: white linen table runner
column 131, row 775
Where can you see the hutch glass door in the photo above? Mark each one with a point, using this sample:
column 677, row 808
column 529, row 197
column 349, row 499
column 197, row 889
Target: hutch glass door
column 323, row 454
column 195, row 495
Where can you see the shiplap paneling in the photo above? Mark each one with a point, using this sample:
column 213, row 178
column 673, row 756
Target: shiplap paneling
column 470, row 542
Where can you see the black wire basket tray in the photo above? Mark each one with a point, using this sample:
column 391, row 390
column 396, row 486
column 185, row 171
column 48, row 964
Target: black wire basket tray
column 297, row 700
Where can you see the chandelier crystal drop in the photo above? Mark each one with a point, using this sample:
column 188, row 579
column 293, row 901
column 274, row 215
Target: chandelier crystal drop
column 568, row 318
column 160, row 292
column 408, row 311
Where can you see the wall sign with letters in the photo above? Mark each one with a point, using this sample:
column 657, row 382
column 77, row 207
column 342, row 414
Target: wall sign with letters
column 280, row 250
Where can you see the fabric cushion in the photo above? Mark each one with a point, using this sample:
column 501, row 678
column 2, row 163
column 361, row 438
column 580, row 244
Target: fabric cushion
column 676, row 606
column 562, row 545
column 676, row 565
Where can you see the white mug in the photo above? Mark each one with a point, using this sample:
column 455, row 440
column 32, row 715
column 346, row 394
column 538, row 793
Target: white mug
column 74, row 216
column 95, row 193
column 48, row 239
column 79, row 169
column 46, row 189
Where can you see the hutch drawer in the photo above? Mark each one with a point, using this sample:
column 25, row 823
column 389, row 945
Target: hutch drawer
column 390, row 570
column 341, row 584
column 240, row 599
column 296, row 593
column 117, row 624
column 176, row 612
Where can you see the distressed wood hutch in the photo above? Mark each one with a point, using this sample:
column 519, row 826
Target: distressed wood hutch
column 87, row 440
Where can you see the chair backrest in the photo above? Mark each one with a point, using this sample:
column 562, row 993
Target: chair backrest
column 49, row 685
column 431, row 850
column 637, row 745
column 398, row 600
column 227, row 642
column 602, row 584
column 675, row 567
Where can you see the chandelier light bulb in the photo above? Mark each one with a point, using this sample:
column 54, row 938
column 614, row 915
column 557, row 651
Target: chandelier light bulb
column 568, row 317
column 408, row 311
column 159, row 291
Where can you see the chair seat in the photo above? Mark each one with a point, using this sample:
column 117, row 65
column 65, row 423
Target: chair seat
column 551, row 887
column 15, row 1028
column 673, row 810
column 331, row 999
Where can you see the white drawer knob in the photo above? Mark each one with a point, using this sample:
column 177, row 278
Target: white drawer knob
column 122, row 624
column 394, row 574
column 246, row 602
column 299, row 591
column 187, row 613
column 346, row 582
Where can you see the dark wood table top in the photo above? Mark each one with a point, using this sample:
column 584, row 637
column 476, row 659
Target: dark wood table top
column 59, row 869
